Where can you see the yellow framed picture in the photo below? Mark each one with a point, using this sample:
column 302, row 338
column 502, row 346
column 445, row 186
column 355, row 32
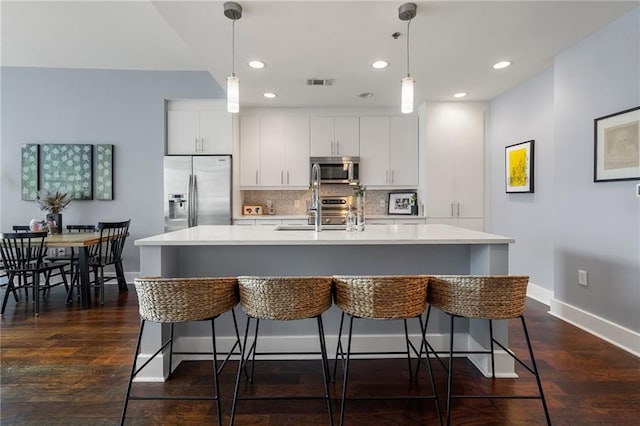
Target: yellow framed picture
column 519, row 167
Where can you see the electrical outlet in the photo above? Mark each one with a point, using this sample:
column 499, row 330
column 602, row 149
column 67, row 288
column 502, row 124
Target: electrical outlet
column 582, row 278
column 296, row 203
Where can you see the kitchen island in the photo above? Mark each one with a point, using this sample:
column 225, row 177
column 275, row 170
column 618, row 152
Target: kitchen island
column 379, row 250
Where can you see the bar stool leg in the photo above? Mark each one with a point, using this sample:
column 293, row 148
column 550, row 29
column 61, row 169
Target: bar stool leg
column 450, row 375
column 240, row 367
column 493, row 359
column 255, row 348
column 339, row 349
column 423, row 330
column 133, row 369
column 170, row 351
column 346, row 372
column 325, row 368
column 216, row 383
column 406, row 339
column 535, row 369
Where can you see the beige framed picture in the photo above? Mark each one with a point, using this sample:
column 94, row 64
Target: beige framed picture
column 617, row 146
column 252, row 209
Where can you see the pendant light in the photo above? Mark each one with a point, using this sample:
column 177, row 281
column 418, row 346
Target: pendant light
column 233, row 11
column 407, row 12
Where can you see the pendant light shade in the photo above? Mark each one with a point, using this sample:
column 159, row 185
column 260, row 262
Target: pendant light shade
column 233, row 94
column 233, row 11
column 407, row 95
column 407, row 12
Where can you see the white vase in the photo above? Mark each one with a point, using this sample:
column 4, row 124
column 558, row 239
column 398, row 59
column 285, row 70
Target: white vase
column 360, row 219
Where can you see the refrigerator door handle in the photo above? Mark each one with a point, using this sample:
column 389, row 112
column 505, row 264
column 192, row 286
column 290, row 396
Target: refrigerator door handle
column 189, row 202
column 195, row 200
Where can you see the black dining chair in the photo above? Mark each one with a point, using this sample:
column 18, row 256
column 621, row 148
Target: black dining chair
column 23, row 256
column 109, row 252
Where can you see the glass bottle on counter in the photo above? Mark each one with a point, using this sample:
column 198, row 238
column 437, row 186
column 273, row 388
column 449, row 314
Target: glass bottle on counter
column 350, row 220
column 360, row 211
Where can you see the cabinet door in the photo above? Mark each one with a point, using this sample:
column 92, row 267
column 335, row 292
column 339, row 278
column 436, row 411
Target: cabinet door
column 374, row 150
column 272, row 166
column 346, row 136
column 469, row 161
column 182, row 132
column 215, row 132
column 442, row 130
column 321, row 137
column 296, row 147
column 249, row 150
column 403, row 151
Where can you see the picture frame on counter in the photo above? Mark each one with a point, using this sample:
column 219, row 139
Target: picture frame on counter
column 617, row 146
column 252, row 209
column 400, row 203
column 519, row 167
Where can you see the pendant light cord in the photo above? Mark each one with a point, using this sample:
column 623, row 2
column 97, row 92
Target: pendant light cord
column 408, row 23
column 233, row 48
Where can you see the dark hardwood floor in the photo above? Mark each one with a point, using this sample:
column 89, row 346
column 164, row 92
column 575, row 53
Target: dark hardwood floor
column 70, row 367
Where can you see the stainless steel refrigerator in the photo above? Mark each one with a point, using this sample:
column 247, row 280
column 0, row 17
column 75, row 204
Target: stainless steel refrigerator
column 197, row 191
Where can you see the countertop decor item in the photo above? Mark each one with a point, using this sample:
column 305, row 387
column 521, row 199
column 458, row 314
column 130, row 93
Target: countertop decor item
column 617, row 146
column 54, row 203
column 360, row 192
column 402, row 202
column 252, row 209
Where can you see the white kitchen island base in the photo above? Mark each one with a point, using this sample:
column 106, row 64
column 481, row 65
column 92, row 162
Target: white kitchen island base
column 379, row 250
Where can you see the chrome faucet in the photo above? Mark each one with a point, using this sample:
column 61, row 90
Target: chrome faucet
column 315, row 195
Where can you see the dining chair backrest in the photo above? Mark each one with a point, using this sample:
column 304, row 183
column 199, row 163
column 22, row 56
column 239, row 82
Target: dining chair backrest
column 21, row 228
column 81, row 228
column 112, row 238
column 22, row 251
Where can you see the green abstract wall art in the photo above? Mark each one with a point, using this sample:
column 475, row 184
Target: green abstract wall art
column 29, row 172
column 67, row 168
column 104, row 172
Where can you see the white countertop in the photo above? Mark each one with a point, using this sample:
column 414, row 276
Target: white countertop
column 304, row 217
column 372, row 235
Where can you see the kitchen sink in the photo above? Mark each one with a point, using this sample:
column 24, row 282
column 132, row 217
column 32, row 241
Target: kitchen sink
column 310, row 228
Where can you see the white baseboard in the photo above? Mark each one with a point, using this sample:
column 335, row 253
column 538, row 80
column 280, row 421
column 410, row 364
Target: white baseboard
column 539, row 293
column 615, row 334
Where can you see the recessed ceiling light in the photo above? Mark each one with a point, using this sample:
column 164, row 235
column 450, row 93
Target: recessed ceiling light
column 269, row 95
column 255, row 64
column 500, row 65
column 380, row 64
column 460, row 95
column 366, row 95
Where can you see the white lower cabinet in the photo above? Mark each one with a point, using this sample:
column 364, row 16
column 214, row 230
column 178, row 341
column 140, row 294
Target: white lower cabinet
column 396, row 221
column 267, row 221
column 475, row 224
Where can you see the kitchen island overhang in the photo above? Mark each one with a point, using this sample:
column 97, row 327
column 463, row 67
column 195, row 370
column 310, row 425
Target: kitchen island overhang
column 379, row 250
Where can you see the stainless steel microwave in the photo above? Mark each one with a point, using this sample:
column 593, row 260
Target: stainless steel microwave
column 338, row 169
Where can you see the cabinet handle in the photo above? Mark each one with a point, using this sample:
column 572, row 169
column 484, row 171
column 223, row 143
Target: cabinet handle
column 201, row 144
column 195, row 141
column 332, row 151
column 393, row 180
column 452, row 210
column 287, row 177
column 256, row 177
column 458, row 209
column 337, row 147
column 281, row 177
column 386, row 176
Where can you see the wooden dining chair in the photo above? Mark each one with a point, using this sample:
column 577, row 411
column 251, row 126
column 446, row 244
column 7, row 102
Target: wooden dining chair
column 109, row 252
column 22, row 254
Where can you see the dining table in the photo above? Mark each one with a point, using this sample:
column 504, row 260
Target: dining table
column 83, row 241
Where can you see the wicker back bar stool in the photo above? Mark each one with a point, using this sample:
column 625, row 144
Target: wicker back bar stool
column 176, row 300
column 392, row 297
column 283, row 299
column 493, row 297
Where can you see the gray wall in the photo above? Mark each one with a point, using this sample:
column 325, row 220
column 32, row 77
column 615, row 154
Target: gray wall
column 584, row 225
column 522, row 114
column 124, row 108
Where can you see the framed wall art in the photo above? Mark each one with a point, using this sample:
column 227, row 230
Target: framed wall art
column 104, row 172
column 617, row 146
column 29, row 172
column 67, row 168
column 401, row 202
column 518, row 161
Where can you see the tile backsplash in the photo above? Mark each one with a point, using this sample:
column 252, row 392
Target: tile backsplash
column 284, row 202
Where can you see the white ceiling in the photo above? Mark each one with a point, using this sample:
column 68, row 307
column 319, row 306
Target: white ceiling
column 453, row 43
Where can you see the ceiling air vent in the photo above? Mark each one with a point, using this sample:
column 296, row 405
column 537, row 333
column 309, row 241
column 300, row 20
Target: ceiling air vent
column 319, row 82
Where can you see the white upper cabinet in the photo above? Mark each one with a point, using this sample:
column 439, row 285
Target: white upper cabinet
column 334, row 136
column 455, row 164
column 198, row 127
column 389, row 151
column 274, row 151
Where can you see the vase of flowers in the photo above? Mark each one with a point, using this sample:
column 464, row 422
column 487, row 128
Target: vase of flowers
column 359, row 193
column 54, row 203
